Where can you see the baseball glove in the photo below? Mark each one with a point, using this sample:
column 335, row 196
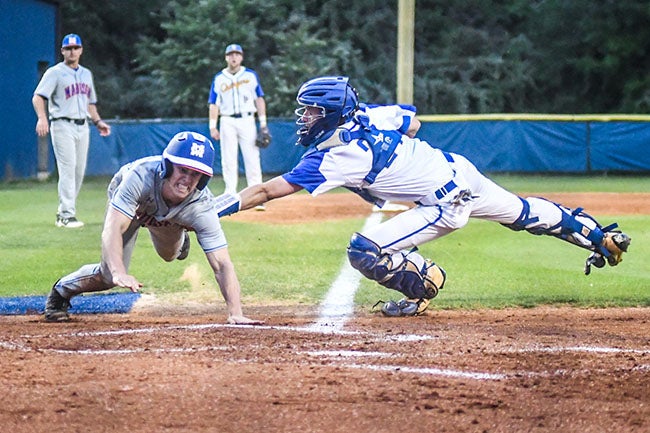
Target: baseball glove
column 263, row 138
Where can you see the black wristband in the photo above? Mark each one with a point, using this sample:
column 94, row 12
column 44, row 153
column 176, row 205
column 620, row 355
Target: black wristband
column 95, row 122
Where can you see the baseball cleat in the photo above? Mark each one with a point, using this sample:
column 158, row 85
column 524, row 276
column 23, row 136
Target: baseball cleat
column 56, row 307
column 616, row 243
column 404, row 307
column 71, row 223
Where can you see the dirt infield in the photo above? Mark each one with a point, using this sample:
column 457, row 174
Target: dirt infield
column 533, row 370
column 182, row 370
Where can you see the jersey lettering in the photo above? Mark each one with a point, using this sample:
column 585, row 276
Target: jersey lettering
column 226, row 87
column 77, row 89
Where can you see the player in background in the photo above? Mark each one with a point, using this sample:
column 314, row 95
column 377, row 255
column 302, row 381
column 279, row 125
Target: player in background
column 235, row 96
column 166, row 194
column 68, row 91
column 371, row 151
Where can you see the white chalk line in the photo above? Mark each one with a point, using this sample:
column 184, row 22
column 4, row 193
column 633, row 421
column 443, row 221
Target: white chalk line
column 340, row 358
column 369, row 337
column 338, row 305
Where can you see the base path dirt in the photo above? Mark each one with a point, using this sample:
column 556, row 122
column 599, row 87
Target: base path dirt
column 514, row 370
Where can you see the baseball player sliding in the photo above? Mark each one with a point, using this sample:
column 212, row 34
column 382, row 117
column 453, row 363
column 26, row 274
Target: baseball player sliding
column 166, row 194
column 69, row 93
column 235, row 96
column 372, row 151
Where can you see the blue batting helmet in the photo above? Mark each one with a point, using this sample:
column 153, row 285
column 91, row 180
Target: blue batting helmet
column 192, row 150
column 336, row 98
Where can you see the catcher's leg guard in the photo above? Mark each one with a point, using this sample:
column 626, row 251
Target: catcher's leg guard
column 409, row 274
column 543, row 217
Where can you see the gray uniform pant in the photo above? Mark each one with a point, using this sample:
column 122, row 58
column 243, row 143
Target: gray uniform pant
column 167, row 240
column 70, row 143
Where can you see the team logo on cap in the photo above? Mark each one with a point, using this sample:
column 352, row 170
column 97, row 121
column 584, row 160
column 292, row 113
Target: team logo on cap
column 71, row 40
column 234, row 48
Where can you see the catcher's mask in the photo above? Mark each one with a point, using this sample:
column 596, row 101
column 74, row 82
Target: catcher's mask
column 337, row 101
column 192, row 150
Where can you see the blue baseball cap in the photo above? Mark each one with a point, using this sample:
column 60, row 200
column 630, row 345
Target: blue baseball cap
column 71, row 40
column 234, row 48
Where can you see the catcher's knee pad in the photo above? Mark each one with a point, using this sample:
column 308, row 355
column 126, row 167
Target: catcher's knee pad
column 365, row 255
column 409, row 274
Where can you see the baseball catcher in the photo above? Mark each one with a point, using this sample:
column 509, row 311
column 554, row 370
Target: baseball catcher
column 372, row 151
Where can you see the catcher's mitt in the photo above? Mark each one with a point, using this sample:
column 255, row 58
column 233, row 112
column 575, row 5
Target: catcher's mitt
column 263, row 138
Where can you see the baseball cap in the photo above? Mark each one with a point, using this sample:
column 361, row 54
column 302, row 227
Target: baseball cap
column 71, row 40
column 234, row 48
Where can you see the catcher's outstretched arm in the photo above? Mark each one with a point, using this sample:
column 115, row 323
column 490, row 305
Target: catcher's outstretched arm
column 269, row 190
column 228, row 204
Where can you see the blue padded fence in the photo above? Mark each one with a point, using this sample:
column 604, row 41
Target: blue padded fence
column 532, row 146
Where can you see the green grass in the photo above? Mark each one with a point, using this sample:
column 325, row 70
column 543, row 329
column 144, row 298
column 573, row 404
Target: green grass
column 487, row 264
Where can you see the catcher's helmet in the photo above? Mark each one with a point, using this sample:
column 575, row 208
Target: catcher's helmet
column 191, row 150
column 336, row 98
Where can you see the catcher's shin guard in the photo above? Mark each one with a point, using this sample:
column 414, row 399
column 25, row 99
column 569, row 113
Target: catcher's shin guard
column 410, row 274
column 543, row 217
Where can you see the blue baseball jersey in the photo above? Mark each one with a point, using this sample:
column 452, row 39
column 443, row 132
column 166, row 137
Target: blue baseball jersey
column 413, row 171
column 136, row 191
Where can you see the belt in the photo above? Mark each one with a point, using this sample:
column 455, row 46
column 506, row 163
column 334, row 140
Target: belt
column 238, row 115
column 67, row 119
column 441, row 192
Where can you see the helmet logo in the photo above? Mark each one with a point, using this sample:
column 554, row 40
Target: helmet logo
column 197, row 150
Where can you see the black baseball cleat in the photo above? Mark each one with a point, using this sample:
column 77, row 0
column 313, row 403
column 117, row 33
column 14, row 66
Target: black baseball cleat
column 56, row 307
column 185, row 249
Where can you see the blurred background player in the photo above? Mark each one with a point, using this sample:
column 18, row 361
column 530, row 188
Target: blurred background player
column 166, row 194
column 235, row 96
column 68, row 90
column 370, row 150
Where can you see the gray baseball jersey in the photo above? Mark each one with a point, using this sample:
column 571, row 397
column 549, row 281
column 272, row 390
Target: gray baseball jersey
column 135, row 191
column 68, row 91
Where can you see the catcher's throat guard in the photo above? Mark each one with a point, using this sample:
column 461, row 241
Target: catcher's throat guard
column 409, row 274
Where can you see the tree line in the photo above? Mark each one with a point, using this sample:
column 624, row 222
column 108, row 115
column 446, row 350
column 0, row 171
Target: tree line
column 156, row 58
